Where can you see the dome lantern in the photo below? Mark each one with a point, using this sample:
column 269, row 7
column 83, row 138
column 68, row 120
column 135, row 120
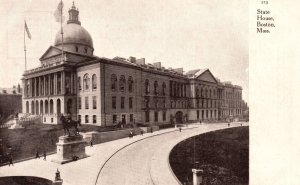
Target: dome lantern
column 73, row 15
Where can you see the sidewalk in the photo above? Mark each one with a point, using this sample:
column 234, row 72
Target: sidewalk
column 84, row 171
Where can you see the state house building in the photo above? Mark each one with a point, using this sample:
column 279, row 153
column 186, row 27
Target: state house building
column 104, row 91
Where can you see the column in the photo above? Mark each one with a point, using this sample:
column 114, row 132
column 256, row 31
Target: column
column 63, row 82
column 71, row 85
column 55, row 83
column 49, row 86
column 44, row 81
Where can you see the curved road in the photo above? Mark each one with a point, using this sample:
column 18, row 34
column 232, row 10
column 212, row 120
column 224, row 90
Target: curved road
column 146, row 161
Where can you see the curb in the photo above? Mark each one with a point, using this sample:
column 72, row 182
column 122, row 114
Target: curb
column 131, row 144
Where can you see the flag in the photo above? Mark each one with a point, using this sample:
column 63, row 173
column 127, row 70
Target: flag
column 58, row 12
column 27, row 31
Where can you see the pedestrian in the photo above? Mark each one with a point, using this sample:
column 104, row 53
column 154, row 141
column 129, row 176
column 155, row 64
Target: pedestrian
column 200, row 122
column 91, row 143
column 151, row 130
column 10, row 161
column 142, row 132
column 179, row 129
column 241, row 124
column 45, row 156
column 37, row 155
column 228, row 124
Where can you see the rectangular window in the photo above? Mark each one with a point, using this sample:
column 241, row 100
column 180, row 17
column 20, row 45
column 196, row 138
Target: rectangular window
column 122, row 102
column 94, row 119
column 130, row 102
column 147, row 116
column 198, row 114
column 86, row 119
column 131, row 117
column 79, row 117
column 79, row 102
column 94, row 102
column 114, row 102
column 156, row 116
column 86, row 102
column 114, row 119
column 164, row 116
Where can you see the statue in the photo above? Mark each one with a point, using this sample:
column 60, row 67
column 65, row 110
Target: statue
column 69, row 123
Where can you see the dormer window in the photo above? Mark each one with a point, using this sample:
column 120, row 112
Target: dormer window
column 76, row 48
column 85, row 49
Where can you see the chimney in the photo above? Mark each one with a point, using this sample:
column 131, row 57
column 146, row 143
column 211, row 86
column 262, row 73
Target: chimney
column 132, row 59
column 179, row 70
column 157, row 64
column 140, row 61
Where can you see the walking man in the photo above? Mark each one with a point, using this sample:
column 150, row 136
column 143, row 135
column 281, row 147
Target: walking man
column 142, row 132
column 91, row 143
column 179, row 129
column 37, row 155
column 45, row 156
column 10, row 161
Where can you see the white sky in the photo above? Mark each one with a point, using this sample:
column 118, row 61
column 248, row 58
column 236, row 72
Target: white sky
column 190, row 34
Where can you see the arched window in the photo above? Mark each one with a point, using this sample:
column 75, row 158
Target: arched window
column 32, row 107
column 164, row 88
column 41, row 107
column 130, row 84
column 114, row 82
column 46, row 107
column 147, row 86
column 122, row 83
column 155, row 88
column 51, row 106
column 79, row 83
column 27, row 107
column 86, row 82
column 94, row 82
column 58, row 107
column 206, row 94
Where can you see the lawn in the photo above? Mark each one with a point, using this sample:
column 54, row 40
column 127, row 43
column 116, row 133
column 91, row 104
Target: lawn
column 223, row 155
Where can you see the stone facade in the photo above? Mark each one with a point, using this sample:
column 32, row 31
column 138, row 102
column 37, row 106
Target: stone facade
column 105, row 91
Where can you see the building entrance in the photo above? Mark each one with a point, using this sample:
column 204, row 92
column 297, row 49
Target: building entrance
column 179, row 117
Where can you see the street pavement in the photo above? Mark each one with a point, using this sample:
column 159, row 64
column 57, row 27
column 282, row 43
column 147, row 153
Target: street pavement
column 137, row 160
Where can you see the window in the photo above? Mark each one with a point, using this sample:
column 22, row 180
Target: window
column 94, row 82
column 114, row 82
column 94, row 102
column 122, row 102
column 130, row 84
column 163, row 89
column 86, row 119
column 131, row 117
column 122, row 83
column 156, row 116
column 79, row 102
column 147, row 86
column 79, row 117
column 94, row 119
column 147, row 102
column 130, row 102
column 164, row 103
column 164, row 116
column 198, row 114
column 86, row 82
column 114, row 119
column 147, row 116
column 155, row 88
column 114, row 102
column 85, row 50
column 197, row 92
column 156, row 103
column 76, row 48
column 86, row 102
column 197, row 104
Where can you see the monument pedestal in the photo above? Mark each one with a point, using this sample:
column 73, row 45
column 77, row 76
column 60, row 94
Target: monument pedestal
column 70, row 148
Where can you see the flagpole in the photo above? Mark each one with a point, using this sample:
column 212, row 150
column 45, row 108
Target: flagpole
column 25, row 47
column 62, row 34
